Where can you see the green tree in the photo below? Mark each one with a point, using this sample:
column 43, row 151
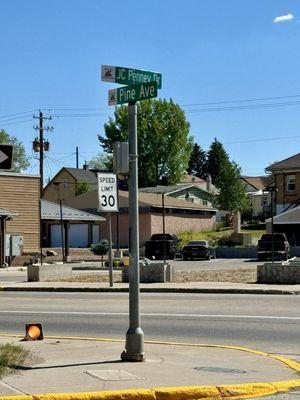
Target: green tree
column 197, row 162
column 101, row 162
column 20, row 161
column 216, row 158
column 82, row 187
column 164, row 144
column 231, row 194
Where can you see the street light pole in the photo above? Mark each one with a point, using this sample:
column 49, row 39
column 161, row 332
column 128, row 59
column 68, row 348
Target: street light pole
column 134, row 348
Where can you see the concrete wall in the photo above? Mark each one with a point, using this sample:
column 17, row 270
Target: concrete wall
column 236, row 252
column 151, row 273
column 47, row 273
column 279, row 273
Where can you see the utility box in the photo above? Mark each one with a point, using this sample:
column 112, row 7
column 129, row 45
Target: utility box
column 120, row 157
column 13, row 245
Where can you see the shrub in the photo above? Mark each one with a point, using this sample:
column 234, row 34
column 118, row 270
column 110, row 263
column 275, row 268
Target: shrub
column 11, row 356
column 100, row 248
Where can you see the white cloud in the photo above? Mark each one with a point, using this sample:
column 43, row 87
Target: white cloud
column 283, row 18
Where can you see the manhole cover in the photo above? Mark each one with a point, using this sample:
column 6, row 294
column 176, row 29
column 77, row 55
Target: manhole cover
column 112, row 375
column 221, row 370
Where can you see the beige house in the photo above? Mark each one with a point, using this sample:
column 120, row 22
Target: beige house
column 67, row 182
column 19, row 201
column 180, row 215
column 256, row 188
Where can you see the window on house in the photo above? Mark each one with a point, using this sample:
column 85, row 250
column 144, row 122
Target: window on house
column 204, row 202
column 290, row 183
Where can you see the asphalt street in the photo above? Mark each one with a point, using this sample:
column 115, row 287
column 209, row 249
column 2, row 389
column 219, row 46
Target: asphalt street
column 269, row 323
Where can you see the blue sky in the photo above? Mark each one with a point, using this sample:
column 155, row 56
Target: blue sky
column 213, row 55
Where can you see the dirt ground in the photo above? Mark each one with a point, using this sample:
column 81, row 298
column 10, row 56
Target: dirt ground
column 233, row 275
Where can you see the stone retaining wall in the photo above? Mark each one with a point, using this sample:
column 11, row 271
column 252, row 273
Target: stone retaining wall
column 47, row 273
column 151, row 273
column 288, row 273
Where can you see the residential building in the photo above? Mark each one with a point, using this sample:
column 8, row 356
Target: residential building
column 256, row 188
column 19, row 201
column 287, row 183
column 67, row 183
column 179, row 215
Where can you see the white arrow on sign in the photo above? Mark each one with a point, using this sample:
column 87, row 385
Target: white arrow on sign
column 3, row 157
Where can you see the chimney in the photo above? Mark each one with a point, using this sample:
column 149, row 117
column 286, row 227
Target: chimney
column 208, row 182
column 85, row 166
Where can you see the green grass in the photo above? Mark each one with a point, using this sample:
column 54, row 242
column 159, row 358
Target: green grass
column 213, row 236
column 11, row 356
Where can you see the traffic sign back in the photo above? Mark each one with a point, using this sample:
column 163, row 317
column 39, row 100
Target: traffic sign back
column 6, row 153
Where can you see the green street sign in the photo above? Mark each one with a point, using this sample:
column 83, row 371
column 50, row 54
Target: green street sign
column 132, row 93
column 129, row 76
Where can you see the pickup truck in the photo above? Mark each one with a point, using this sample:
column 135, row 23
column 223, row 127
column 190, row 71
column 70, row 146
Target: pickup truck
column 281, row 247
column 154, row 248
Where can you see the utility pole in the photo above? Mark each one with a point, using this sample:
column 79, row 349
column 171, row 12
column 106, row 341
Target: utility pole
column 39, row 145
column 77, row 157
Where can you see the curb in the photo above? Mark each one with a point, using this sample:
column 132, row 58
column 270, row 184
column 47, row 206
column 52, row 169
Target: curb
column 152, row 290
column 242, row 391
column 220, row 392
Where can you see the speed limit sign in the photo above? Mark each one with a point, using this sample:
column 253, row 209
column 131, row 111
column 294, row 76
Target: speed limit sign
column 107, row 192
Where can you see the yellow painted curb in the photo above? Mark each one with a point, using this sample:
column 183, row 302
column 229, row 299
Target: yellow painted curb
column 222, row 392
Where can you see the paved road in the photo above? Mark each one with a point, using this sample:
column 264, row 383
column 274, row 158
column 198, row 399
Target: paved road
column 270, row 323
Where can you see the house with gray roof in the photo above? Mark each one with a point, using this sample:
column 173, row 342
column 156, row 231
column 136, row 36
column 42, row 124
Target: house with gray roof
column 69, row 182
column 63, row 224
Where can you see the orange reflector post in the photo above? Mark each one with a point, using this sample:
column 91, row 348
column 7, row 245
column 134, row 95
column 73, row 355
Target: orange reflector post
column 33, row 332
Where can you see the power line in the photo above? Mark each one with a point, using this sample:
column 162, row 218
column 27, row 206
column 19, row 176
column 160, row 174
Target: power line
column 16, row 122
column 242, row 101
column 264, row 140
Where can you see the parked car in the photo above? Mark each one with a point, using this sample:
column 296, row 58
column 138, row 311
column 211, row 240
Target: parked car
column 265, row 247
column 198, row 249
column 160, row 243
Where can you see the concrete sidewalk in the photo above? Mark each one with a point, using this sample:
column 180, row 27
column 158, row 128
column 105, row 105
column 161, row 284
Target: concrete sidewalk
column 188, row 287
column 66, row 365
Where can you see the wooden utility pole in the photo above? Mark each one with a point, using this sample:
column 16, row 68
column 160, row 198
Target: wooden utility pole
column 41, row 146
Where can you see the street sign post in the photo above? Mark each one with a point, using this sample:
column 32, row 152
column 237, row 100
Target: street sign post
column 6, row 153
column 132, row 93
column 107, row 192
column 108, row 202
column 142, row 85
column 129, row 76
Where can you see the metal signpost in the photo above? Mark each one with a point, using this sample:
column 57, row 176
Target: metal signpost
column 144, row 85
column 108, row 202
column 6, row 153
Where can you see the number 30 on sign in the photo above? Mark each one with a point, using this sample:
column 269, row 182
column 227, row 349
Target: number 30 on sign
column 107, row 192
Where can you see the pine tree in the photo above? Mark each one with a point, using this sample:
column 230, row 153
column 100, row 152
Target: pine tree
column 197, row 162
column 231, row 192
column 216, row 158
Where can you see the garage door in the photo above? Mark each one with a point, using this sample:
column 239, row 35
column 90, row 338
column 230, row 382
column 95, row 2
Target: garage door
column 78, row 235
